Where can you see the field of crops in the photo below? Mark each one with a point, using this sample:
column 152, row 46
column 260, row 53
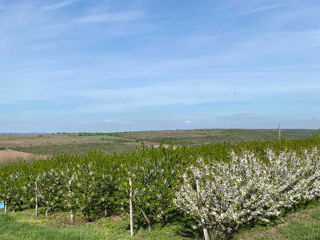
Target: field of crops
column 211, row 190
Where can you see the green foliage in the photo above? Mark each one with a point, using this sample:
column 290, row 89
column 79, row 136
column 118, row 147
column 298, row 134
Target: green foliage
column 316, row 134
column 96, row 184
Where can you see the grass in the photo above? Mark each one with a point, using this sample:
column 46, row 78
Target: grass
column 16, row 227
column 22, row 225
column 301, row 225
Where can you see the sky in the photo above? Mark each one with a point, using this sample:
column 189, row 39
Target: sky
column 129, row 65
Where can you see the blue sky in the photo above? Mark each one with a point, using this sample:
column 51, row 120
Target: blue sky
column 95, row 65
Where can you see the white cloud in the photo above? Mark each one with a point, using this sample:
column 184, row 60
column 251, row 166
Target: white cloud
column 261, row 9
column 112, row 17
column 109, row 121
column 58, row 5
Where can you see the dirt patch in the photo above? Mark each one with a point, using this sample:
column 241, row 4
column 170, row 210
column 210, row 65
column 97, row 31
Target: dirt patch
column 273, row 230
column 10, row 155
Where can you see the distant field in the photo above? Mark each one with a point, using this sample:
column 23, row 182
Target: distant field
column 102, row 137
column 67, row 143
column 47, row 144
column 206, row 136
column 74, row 149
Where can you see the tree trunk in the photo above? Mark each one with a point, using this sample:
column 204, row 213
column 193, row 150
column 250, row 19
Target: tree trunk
column 47, row 210
column 5, row 207
column 164, row 220
column 204, row 226
column 212, row 235
column 105, row 212
column 36, row 191
column 146, row 219
column 131, row 209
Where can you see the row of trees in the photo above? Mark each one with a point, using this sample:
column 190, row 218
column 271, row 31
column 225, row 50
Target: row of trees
column 217, row 188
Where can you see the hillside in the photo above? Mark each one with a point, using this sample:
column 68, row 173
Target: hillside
column 81, row 143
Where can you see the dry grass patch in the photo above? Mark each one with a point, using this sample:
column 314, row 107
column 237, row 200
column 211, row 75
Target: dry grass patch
column 7, row 156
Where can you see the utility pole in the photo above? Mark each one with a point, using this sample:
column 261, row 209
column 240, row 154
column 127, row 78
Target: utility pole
column 279, row 132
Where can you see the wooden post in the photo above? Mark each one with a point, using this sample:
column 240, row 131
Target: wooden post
column 71, row 216
column 204, row 227
column 279, row 132
column 5, row 207
column 36, row 192
column 131, row 209
column 71, row 210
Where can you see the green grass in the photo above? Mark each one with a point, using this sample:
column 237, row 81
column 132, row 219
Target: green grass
column 13, row 227
column 22, row 225
column 301, row 225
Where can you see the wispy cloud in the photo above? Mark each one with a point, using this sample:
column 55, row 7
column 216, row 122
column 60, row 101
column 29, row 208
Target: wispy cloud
column 261, row 9
column 110, row 121
column 188, row 122
column 111, row 17
column 58, row 5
